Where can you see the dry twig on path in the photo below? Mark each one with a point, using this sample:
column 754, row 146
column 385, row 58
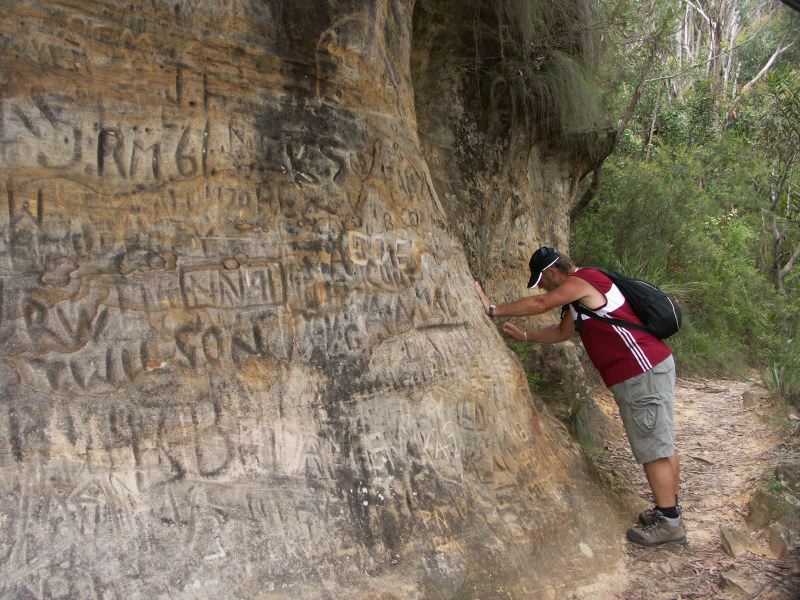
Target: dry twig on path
column 705, row 460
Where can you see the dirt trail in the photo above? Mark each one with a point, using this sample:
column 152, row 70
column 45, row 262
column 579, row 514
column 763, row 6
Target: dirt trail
column 727, row 448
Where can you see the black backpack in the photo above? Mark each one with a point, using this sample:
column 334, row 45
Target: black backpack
column 659, row 313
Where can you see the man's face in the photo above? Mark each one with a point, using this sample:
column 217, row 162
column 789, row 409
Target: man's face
column 548, row 282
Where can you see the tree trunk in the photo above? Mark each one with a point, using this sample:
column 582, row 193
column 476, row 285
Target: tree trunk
column 652, row 126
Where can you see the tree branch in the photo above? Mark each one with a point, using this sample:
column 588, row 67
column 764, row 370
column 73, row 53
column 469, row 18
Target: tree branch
column 590, row 192
column 597, row 169
column 698, row 9
column 637, row 93
column 587, row 196
column 746, row 87
column 652, row 127
column 697, row 64
column 790, row 264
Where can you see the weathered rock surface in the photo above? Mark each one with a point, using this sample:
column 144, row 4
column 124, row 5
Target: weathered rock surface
column 504, row 196
column 735, row 542
column 240, row 352
column 778, row 499
column 737, row 582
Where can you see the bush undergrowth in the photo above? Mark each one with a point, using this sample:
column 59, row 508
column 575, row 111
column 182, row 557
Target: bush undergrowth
column 536, row 383
column 665, row 221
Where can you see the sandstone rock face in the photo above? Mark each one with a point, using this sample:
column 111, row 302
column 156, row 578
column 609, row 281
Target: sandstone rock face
column 240, row 352
column 506, row 189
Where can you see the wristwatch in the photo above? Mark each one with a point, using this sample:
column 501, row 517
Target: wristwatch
column 491, row 310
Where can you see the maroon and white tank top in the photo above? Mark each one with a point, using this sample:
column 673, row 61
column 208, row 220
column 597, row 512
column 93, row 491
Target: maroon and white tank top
column 618, row 353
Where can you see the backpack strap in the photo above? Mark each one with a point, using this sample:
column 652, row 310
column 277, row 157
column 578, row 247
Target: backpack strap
column 582, row 310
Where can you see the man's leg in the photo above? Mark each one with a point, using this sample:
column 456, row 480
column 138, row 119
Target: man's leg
column 676, row 469
column 647, row 404
column 662, row 475
column 665, row 523
column 646, row 517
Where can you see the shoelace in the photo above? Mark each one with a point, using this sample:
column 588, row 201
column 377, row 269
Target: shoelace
column 657, row 523
column 653, row 526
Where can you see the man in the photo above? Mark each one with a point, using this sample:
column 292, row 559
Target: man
column 636, row 366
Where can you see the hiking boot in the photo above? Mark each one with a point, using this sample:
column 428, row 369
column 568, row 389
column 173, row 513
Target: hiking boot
column 658, row 532
column 648, row 517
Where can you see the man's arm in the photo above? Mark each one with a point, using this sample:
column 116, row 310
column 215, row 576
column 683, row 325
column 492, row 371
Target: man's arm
column 571, row 290
column 547, row 335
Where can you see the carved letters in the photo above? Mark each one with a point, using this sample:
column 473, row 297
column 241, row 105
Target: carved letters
column 248, row 286
column 230, row 334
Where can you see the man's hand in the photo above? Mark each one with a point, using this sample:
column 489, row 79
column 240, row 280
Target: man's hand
column 512, row 331
column 483, row 297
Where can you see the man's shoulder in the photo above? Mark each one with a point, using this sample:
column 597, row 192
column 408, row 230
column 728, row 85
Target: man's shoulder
column 589, row 271
column 591, row 274
column 595, row 281
column 570, row 290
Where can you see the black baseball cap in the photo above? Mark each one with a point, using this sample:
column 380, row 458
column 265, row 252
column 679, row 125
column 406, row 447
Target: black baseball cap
column 542, row 259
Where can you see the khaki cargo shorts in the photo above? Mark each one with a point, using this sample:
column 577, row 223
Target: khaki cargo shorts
column 647, row 407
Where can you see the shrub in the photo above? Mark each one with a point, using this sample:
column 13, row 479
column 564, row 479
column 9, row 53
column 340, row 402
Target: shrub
column 688, row 222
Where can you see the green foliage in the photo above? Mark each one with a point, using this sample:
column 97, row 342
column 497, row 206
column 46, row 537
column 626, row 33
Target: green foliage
column 701, row 110
column 706, row 207
column 770, row 119
column 536, row 382
column 674, row 124
column 761, row 36
column 682, row 220
column 782, row 374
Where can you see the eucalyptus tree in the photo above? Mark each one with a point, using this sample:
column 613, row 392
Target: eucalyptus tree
column 777, row 136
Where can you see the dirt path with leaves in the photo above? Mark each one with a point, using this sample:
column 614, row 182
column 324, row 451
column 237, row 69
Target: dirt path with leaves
column 729, row 445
